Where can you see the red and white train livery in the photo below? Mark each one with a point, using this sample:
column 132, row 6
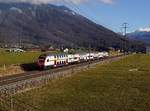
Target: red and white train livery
column 57, row 60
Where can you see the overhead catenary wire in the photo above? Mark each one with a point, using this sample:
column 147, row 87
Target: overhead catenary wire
column 78, row 9
column 2, row 23
column 93, row 19
column 72, row 6
column 6, row 16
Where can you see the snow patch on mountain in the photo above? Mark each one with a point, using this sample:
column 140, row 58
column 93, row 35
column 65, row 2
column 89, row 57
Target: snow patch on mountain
column 146, row 29
column 73, row 13
column 16, row 9
column 70, row 12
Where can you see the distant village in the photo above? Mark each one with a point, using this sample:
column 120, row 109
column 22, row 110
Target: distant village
column 31, row 48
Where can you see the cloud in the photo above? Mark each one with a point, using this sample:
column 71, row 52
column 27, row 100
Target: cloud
column 107, row 1
column 56, row 1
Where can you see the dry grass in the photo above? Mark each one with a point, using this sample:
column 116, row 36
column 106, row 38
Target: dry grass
column 10, row 70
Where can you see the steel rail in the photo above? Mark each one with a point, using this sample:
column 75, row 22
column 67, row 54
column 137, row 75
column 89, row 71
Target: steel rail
column 34, row 74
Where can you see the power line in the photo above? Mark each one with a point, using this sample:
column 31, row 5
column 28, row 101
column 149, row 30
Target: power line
column 76, row 7
column 125, row 27
column 2, row 23
column 71, row 5
column 4, row 19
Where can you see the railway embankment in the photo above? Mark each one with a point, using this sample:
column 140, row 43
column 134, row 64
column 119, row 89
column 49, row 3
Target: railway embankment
column 13, row 84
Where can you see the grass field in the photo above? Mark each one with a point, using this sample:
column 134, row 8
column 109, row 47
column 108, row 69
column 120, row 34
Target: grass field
column 119, row 86
column 8, row 58
column 10, row 61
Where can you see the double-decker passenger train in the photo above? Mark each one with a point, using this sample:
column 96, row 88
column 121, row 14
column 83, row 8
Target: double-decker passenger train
column 57, row 60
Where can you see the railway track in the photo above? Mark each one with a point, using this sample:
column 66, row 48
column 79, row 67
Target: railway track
column 35, row 74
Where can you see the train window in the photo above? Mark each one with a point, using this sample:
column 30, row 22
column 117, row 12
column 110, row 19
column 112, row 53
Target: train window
column 41, row 61
column 41, row 57
column 47, row 60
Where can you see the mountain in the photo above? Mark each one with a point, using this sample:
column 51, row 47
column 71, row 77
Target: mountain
column 142, row 34
column 32, row 25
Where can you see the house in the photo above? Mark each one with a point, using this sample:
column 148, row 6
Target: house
column 148, row 50
column 66, row 50
column 15, row 50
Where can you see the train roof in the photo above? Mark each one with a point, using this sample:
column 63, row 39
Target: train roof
column 53, row 54
column 61, row 54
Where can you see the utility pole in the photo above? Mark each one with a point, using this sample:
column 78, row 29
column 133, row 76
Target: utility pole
column 125, row 27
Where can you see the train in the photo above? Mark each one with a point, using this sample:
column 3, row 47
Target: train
column 47, row 61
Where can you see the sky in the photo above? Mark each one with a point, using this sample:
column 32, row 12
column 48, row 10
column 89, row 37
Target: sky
column 113, row 14
column 109, row 13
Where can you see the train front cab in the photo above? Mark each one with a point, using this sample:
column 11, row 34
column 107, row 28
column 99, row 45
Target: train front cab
column 41, row 62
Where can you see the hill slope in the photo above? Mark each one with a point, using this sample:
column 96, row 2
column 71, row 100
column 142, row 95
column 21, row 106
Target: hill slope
column 140, row 35
column 42, row 25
